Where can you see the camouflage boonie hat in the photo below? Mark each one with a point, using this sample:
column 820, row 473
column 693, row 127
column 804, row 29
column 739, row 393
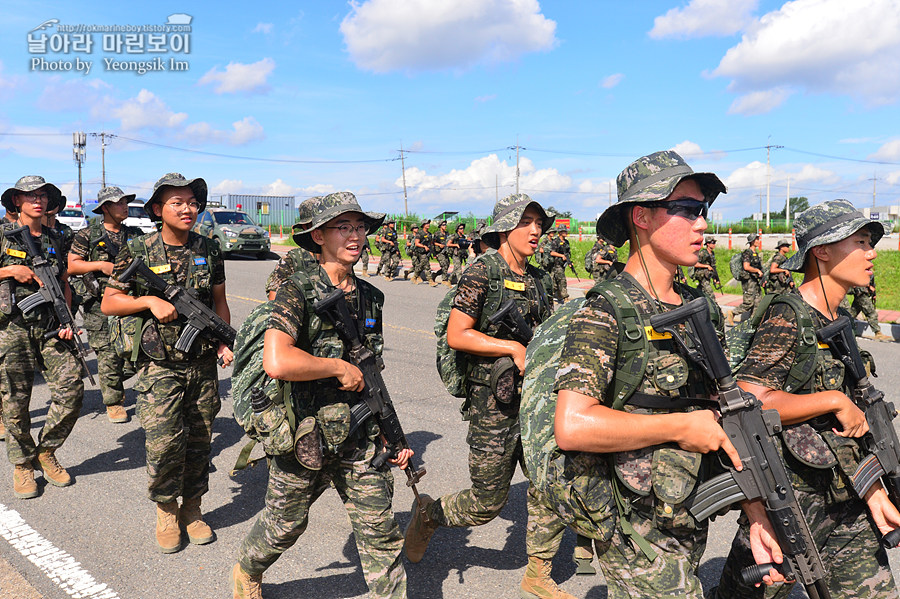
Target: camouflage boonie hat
column 830, row 222
column 442, row 223
column 709, row 239
column 783, row 243
column 110, row 194
column 332, row 206
column 507, row 214
column 650, row 179
column 751, row 238
column 306, row 211
column 460, row 226
column 390, row 221
column 28, row 184
column 562, row 229
column 198, row 186
column 424, row 224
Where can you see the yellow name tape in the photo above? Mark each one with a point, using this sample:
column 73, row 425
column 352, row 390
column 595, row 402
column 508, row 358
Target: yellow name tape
column 823, row 346
column 16, row 253
column 653, row 334
column 161, row 268
column 514, row 285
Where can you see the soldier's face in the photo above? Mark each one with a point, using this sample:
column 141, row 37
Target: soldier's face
column 32, row 204
column 852, row 258
column 673, row 237
column 177, row 208
column 524, row 238
column 342, row 238
column 116, row 211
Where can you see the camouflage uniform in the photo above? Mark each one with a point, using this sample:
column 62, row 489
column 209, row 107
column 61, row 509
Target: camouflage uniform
column 606, row 251
column 558, row 268
column 366, row 493
column 703, row 276
column 864, row 301
column 819, row 462
column 460, row 255
column 178, row 393
column 294, row 260
column 750, row 286
column 364, row 255
column 421, row 267
column 390, row 255
column 441, row 253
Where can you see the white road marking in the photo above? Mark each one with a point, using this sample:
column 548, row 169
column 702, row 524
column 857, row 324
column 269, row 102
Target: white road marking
column 60, row 567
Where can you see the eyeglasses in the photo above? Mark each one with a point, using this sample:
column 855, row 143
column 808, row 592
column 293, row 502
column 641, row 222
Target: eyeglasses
column 35, row 197
column 179, row 206
column 346, row 229
column 688, row 209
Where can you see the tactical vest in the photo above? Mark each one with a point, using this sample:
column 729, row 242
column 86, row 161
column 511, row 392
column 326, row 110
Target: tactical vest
column 560, row 246
column 531, row 300
column 11, row 253
column 390, row 235
column 754, row 260
column 99, row 251
column 440, row 238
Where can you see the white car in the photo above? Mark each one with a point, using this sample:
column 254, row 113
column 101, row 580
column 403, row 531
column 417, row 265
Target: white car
column 74, row 217
column 138, row 218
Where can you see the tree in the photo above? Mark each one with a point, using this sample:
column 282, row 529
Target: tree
column 559, row 213
column 798, row 205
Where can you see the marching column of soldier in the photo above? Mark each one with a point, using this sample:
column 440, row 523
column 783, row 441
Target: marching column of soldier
column 636, row 457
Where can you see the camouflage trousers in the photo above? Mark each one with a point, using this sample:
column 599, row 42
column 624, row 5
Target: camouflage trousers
column 864, row 304
column 388, row 263
column 364, row 258
column 601, row 272
column 444, row 262
column 177, row 404
column 112, row 371
column 705, row 285
column 752, row 295
column 421, row 267
column 23, row 350
column 459, row 263
column 630, row 575
column 366, row 495
column 558, row 274
column 856, row 565
column 495, row 448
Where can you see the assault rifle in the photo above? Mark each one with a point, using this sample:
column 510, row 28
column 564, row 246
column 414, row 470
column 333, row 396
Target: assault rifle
column 504, row 372
column 509, row 318
column 376, row 400
column 200, row 317
column 49, row 293
column 90, row 278
column 751, row 429
column 881, row 443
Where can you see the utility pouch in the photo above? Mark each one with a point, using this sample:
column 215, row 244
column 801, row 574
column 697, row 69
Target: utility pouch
column 152, row 343
column 7, row 297
column 674, row 474
column 125, row 336
column 808, row 446
column 274, row 429
column 847, row 453
column 308, row 444
column 505, row 381
column 334, row 422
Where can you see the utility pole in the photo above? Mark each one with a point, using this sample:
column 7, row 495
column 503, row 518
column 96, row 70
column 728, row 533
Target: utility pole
column 768, row 150
column 103, row 136
column 79, row 141
column 517, row 162
column 787, row 205
column 403, row 170
column 874, row 179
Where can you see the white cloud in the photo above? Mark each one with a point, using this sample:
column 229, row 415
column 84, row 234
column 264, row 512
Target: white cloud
column 279, row 188
column 822, row 46
column 759, row 102
column 612, row 81
column 239, row 77
column 264, row 28
column 704, row 17
column 889, row 151
column 602, row 193
column 8, row 82
column 687, row 148
column 892, row 178
column 72, row 94
column 147, row 111
column 243, row 132
column 226, row 186
column 423, row 35
column 487, row 98
column 753, row 176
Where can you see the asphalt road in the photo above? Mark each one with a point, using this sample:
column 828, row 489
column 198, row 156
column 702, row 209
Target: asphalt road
column 105, row 522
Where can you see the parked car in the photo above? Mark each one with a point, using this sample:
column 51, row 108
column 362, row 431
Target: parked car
column 138, row 218
column 234, row 230
column 74, row 217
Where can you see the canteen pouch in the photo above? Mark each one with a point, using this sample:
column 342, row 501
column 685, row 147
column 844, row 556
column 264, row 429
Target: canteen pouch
column 505, row 380
column 334, row 423
column 308, row 444
column 674, row 475
column 274, row 429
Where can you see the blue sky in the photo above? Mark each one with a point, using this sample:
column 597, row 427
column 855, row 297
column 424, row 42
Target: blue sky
column 583, row 87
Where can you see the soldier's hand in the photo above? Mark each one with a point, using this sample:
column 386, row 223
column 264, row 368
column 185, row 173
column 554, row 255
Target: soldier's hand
column 518, row 357
column 351, row 377
column 107, row 268
column 23, row 274
column 763, row 542
column 162, row 310
column 852, row 419
column 402, row 459
column 700, row 432
column 225, row 355
column 66, row 334
column 884, row 512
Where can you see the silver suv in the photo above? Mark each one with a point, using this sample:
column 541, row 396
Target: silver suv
column 234, row 230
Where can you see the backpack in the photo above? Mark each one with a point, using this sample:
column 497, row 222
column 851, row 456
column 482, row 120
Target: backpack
column 740, row 338
column 589, row 261
column 451, row 364
column 736, row 264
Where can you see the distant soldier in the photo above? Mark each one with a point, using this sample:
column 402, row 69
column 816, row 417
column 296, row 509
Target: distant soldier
column 864, row 301
column 421, row 249
column 780, row 280
column 459, row 246
column 705, row 272
column 599, row 260
column 390, row 253
column 299, row 257
column 751, row 277
column 364, row 257
column 11, row 216
column 65, row 231
column 439, row 248
column 560, row 256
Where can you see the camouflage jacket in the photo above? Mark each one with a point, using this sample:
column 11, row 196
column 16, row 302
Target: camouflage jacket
column 293, row 261
column 752, row 256
column 709, row 258
column 440, row 238
column 11, row 253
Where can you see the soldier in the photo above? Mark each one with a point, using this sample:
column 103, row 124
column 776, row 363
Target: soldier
column 65, row 231
column 780, row 280
column 298, row 257
column 864, row 301
column 439, row 242
column 661, row 208
column 751, row 263
column 11, row 216
column 560, row 257
column 364, row 257
column 178, row 392
column 478, row 245
column 601, row 258
column 494, row 440
column 25, row 346
column 390, row 255
column 705, row 272
column 93, row 254
column 421, row 248
column 835, row 252
column 330, row 385
column 459, row 247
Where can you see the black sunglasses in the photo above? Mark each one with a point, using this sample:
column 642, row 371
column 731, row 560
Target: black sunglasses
column 689, row 209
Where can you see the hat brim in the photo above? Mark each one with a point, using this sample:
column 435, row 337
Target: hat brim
column 491, row 235
column 613, row 223
column 98, row 210
column 304, row 238
column 198, row 186
column 54, row 193
column 877, row 228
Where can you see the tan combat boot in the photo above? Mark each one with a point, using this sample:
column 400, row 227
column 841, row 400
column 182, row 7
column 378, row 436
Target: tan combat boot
column 418, row 531
column 2, row 428
column 537, row 583
column 116, row 414
column 415, row 280
column 168, row 535
column 245, row 586
column 447, row 283
column 879, row 336
column 23, row 482
column 729, row 318
column 432, row 283
column 190, row 518
column 54, row 473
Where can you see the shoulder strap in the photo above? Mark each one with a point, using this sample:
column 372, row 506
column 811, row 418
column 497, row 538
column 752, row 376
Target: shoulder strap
column 805, row 361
